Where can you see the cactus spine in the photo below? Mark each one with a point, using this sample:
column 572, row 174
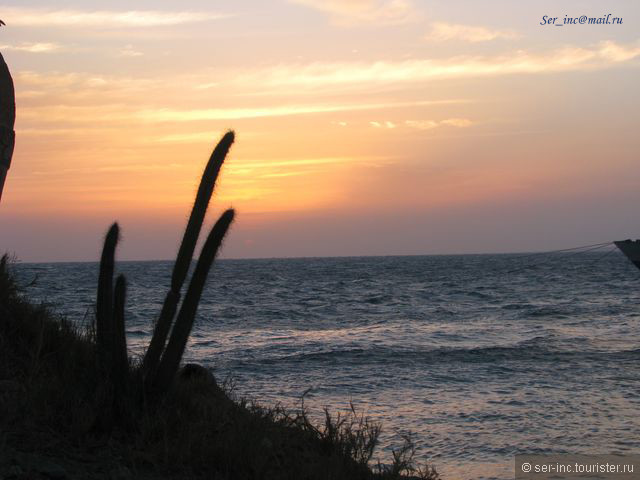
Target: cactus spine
column 185, row 256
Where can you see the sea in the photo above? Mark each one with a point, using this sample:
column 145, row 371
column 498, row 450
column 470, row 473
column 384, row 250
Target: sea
column 475, row 357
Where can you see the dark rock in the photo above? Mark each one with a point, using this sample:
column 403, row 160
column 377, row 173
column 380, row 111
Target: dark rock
column 193, row 371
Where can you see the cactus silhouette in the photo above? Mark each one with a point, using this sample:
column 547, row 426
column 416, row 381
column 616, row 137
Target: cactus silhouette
column 7, row 120
column 185, row 255
column 182, row 328
column 104, row 302
column 162, row 358
column 120, row 359
column 110, row 332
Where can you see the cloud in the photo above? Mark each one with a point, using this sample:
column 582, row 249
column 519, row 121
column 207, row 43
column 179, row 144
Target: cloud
column 421, row 124
column 275, row 168
column 332, row 74
column 426, row 124
column 442, row 31
column 32, row 47
column 174, row 115
column 40, row 17
column 386, row 124
column 255, row 164
column 364, row 12
column 207, row 85
column 117, row 113
column 71, row 98
column 617, row 53
column 431, row 124
column 129, row 51
column 330, row 77
column 72, row 87
column 457, row 122
column 205, row 136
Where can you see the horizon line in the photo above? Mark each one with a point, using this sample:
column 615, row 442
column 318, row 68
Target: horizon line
column 312, row 257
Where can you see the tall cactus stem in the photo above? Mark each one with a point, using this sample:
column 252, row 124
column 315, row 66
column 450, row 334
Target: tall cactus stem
column 185, row 254
column 7, row 121
column 104, row 302
column 179, row 335
column 120, row 365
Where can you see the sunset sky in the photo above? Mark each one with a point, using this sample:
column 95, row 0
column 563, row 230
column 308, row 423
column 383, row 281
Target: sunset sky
column 364, row 127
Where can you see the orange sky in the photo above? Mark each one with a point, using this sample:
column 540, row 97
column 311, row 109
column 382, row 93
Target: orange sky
column 363, row 126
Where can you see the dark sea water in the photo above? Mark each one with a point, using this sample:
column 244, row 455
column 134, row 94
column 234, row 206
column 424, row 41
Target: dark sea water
column 476, row 356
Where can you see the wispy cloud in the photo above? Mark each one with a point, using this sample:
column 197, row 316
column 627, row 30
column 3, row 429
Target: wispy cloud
column 207, row 85
column 32, row 47
column 254, row 164
column 431, row 124
column 174, row 115
column 195, row 137
column 331, row 74
column 73, row 98
column 364, row 12
column 386, row 124
column 117, row 113
column 284, row 168
column 442, row 31
column 64, row 132
column 40, row 17
column 303, row 78
column 129, row 51
column 425, row 124
column 618, row 53
column 65, row 86
column 457, row 122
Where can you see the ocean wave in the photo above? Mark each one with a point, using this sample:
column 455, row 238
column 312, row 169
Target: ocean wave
column 534, row 349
